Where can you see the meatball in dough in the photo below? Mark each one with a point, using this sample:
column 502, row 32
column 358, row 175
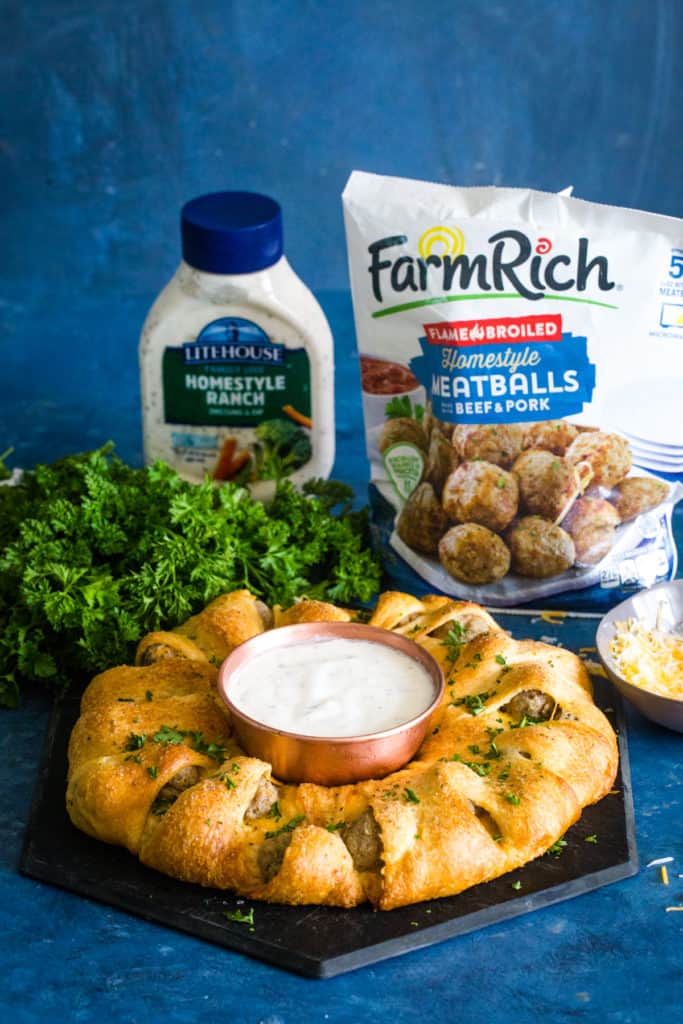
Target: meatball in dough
column 473, row 554
column 479, row 492
column 539, row 548
column 548, row 483
column 638, row 494
column 608, row 455
column 551, row 435
column 498, row 443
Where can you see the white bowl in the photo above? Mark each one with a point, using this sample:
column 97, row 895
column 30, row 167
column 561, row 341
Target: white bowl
column 662, row 603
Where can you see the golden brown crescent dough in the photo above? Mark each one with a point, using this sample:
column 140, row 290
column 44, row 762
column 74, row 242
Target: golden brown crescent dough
column 211, row 635
column 516, row 750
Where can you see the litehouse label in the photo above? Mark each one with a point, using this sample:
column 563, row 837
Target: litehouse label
column 233, row 374
column 506, row 369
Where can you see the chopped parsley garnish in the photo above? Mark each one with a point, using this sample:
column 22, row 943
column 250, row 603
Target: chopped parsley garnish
column 500, row 659
column 556, row 849
column 289, row 827
column 126, row 700
column 478, row 767
column 512, row 798
column 173, row 735
column 239, row 917
column 133, row 757
column 229, row 784
column 149, row 695
column 334, row 826
column 135, row 741
column 166, row 734
column 410, row 796
column 526, row 720
column 516, row 885
column 474, row 748
column 454, row 639
column 274, row 811
column 493, row 751
column 234, row 768
column 475, row 702
column 476, row 659
column 153, row 771
column 591, row 839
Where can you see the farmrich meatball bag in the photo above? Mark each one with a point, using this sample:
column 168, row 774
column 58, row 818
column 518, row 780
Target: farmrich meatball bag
column 521, row 359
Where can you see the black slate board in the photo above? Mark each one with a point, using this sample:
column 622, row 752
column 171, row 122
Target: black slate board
column 320, row 941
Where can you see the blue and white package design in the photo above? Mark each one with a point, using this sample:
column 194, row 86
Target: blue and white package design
column 521, row 354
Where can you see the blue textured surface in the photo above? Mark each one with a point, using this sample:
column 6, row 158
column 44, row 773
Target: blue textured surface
column 113, row 115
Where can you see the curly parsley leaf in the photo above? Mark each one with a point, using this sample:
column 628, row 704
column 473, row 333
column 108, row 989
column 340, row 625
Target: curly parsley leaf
column 95, row 553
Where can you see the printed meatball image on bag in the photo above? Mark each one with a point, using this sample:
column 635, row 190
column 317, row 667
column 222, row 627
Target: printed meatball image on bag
column 608, row 455
column 638, row 494
column 539, row 548
column 479, row 492
column 474, row 554
column 550, row 435
column 422, row 521
column 548, row 484
column 402, row 428
column 498, row 443
column 592, row 523
column 442, row 459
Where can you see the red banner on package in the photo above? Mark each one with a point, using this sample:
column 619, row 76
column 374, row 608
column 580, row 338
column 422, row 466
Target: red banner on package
column 500, row 331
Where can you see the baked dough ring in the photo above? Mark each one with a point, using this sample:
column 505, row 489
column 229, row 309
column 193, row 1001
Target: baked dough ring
column 210, row 636
column 516, row 750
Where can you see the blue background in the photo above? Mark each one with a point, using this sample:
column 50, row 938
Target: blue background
column 115, row 113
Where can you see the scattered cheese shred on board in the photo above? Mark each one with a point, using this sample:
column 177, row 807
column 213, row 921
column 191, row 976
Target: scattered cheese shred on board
column 553, row 617
column 594, row 668
column 658, row 861
column 672, row 908
column 665, row 874
column 649, row 658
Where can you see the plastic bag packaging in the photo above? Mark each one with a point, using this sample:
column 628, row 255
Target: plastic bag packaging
column 521, row 358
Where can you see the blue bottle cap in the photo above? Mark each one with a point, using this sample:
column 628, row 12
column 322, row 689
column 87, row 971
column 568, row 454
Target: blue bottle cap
column 231, row 232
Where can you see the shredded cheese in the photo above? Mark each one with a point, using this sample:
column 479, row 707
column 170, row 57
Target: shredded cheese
column 649, row 658
column 555, row 618
column 665, row 874
column 594, row 668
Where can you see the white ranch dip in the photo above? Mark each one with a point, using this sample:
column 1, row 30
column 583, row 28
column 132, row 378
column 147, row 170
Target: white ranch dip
column 337, row 687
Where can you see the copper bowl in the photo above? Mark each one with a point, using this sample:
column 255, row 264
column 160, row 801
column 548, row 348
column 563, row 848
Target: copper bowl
column 329, row 760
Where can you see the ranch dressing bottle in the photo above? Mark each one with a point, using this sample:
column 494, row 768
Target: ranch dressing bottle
column 236, row 355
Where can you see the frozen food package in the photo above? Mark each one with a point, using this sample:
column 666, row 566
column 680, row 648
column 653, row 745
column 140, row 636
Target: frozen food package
column 521, row 360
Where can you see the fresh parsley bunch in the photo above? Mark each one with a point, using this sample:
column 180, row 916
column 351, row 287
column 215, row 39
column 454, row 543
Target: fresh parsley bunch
column 94, row 554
